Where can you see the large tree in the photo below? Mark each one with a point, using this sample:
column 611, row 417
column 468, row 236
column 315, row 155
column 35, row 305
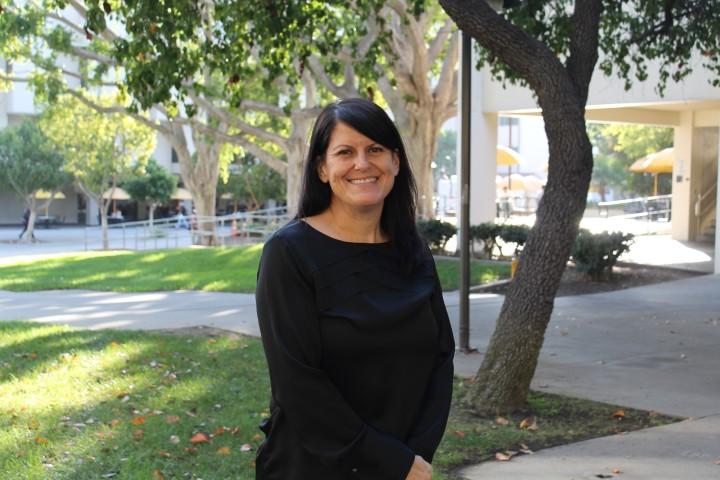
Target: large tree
column 29, row 163
column 553, row 46
column 99, row 149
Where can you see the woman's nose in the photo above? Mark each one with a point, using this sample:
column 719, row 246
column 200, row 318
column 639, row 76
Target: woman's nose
column 361, row 161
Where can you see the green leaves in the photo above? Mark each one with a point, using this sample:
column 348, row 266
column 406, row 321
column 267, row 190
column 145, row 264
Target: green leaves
column 28, row 161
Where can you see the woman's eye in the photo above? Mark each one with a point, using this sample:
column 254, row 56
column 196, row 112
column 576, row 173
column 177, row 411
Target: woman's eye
column 376, row 149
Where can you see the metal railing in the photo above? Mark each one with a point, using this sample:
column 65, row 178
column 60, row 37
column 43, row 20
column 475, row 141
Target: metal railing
column 654, row 208
column 233, row 229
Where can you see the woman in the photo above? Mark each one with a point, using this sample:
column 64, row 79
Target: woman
column 355, row 331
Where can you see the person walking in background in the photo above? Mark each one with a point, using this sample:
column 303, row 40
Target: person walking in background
column 181, row 219
column 352, row 319
column 26, row 223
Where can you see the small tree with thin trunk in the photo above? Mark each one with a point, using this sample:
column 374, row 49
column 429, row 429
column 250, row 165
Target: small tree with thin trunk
column 151, row 184
column 29, row 163
column 100, row 150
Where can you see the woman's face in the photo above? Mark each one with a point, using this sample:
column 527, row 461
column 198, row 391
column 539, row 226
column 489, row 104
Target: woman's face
column 360, row 171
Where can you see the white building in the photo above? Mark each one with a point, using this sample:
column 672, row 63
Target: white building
column 691, row 107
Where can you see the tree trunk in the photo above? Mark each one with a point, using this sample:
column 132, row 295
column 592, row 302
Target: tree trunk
column 104, row 226
column 30, row 233
column 200, row 175
column 421, row 146
column 503, row 380
column 151, row 212
column 295, row 160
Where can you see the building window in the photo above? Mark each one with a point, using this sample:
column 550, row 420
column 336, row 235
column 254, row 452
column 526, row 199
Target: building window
column 174, row 156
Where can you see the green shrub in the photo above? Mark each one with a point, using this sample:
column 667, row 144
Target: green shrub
column 516, row 234
column 436, row 233
column 596, row 254
column 486, row 233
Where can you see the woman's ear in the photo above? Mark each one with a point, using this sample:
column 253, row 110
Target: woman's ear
column 395, row 163
column 322, row 171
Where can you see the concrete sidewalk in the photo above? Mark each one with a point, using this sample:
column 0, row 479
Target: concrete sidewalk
column 653, row 347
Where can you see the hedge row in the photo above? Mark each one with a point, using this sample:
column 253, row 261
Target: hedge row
column 593, row 254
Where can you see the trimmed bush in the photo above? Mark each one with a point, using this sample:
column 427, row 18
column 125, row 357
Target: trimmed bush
column 516, row 234
column 486, row 233
column 596, row 254
column 436, row 233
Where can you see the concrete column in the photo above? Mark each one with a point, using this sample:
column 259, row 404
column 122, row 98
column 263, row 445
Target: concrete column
column 483, row 150
column 92, row 212
column 717, row 218
column 682, row 201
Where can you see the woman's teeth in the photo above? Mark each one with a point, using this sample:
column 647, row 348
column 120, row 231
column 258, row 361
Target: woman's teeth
column 363, row 180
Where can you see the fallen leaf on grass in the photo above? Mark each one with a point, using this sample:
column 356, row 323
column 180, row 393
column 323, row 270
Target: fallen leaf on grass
column 257, row 437
column 138, row 421
column 459, row 433
column 163, row 453
column 172, row 419
column 114, row 423
column 619, row 415
column 219, row 431
column 525, row 449
column 246, row 447
column 157, row 475
column 138, row 434
column 506, row 456
column 174, row 439
column 527, row 423
column 200, row 438
column 223, row 451
column 192, row 450
column 41, row 440
column 502, row 421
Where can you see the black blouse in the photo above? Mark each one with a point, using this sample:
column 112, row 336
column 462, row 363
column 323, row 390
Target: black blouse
column 360, row 358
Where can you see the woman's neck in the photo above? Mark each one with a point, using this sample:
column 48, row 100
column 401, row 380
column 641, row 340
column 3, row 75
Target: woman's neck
column 350, row 226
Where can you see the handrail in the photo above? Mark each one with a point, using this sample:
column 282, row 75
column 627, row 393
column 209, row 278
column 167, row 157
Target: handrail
column 614, row 203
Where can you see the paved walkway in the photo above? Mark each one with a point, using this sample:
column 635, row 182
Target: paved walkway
column 653, row 347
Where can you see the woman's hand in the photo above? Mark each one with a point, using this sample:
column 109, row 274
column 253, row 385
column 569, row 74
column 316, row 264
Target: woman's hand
column 420, row 470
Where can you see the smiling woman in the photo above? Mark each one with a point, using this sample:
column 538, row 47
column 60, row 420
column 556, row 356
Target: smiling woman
column 351, row 312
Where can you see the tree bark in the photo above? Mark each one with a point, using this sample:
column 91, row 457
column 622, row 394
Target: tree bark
column 503, row 381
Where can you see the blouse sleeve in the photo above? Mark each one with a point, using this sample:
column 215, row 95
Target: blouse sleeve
column 429, row 428
column 316, row 411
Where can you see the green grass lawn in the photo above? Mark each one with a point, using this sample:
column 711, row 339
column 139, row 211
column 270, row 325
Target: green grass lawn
column 210, row 269
column 80, row 404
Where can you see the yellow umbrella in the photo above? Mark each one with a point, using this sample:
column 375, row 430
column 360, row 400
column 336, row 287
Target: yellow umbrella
column 182, row 194
column 527, row 183
column 116, row 193
column 655, row 163
column 45, row 195
column 507, row 156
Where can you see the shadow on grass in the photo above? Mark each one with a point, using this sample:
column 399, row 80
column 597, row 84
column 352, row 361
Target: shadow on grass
column 210, row 384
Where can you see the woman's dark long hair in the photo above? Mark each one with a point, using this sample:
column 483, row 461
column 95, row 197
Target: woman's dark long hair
column 398, row 215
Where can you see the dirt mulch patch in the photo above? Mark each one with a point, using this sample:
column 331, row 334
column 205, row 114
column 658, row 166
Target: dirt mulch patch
column 625, row 275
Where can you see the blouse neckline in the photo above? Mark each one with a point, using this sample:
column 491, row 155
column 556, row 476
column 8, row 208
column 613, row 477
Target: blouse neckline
column 343, row 242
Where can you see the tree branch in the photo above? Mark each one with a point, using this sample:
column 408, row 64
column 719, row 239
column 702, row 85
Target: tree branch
column 446, row 82
column 437, row 44
column 117, row 109
column 584, row 45
column 529, row 58
column 271, row 160
column 319, row 72
column 106, row 34
column 231, row 119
